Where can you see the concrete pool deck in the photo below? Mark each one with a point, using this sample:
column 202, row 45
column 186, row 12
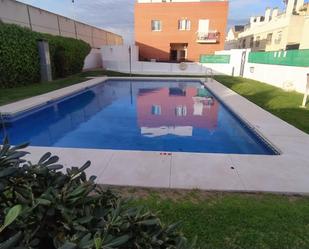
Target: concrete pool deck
column 284, row 173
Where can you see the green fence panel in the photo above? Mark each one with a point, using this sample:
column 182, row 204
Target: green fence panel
column 296, row 58
column 216, row 58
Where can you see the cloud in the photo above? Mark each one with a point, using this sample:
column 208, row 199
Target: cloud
column 243, row 3
column 118, row 15
column 114, row 15
column 242, row 10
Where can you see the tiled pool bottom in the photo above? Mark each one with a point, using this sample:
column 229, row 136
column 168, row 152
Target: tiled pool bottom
column 142, row 115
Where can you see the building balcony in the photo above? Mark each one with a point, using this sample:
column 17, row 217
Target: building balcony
column 209, row 37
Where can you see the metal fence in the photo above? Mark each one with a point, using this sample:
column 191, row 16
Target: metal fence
column 297, row 58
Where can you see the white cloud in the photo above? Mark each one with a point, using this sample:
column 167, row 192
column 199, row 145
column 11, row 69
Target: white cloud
column 113, row 15
column 118, row 15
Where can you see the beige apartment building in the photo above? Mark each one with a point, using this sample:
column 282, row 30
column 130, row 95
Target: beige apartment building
column 276, row 30
column 179, row 30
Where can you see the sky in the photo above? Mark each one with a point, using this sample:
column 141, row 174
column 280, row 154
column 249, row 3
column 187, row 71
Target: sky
column 117, row 15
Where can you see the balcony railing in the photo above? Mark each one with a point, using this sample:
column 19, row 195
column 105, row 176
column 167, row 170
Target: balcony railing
column 208, row 37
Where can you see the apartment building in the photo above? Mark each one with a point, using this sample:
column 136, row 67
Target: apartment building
column 179, row 30
column 231, row 40
column 277, row 30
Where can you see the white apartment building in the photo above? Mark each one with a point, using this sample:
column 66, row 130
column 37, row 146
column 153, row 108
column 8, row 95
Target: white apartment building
column 276, row 30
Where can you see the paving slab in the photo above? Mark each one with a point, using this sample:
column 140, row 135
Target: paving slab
column 138, row 168
column 204, row 171
column 281, row 174
column 74, row 157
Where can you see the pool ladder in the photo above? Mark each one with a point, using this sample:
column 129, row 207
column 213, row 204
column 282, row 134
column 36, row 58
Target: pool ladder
column 209, row 74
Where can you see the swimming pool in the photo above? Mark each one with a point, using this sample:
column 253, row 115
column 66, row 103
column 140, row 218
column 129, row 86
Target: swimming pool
column 146, row 115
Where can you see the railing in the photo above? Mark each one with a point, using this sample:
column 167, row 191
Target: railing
column 208, row 37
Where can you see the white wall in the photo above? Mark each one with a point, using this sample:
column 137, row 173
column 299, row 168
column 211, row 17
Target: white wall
column 235, row 60
column 93, row 60
column 116, row 58
column 285, row 77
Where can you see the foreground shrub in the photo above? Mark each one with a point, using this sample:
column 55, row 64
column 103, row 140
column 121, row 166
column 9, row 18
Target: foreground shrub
column 41, row 207
column 19, row 57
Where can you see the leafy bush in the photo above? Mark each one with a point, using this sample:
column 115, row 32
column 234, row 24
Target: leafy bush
column 67, row 55
column 41, row 207
column 19, row 57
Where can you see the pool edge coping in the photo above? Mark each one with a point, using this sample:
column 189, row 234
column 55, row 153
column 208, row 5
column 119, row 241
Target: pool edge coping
column 229, row 98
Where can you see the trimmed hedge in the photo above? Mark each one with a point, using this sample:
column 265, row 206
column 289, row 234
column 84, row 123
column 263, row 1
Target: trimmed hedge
column 67, row 55
column 19, row 57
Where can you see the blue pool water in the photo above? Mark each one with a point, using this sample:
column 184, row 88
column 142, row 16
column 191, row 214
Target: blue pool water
column 138, row 115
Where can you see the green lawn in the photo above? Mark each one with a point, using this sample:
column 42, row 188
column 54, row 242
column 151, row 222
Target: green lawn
column 229, row 221
column 283, row 104
column 9, row 95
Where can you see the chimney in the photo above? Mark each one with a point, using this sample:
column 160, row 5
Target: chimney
column 267, row 14
column 275, row 13
column 289, row 7
column 258, row 19
column 252, row 19
column 300, row 3
column 293, row 6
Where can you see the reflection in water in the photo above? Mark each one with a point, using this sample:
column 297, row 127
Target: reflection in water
column 139, row 115
column 176, row 110
column 183, row 131
column 59, row 118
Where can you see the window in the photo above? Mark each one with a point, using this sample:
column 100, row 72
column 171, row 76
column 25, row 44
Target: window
column 181, row 111
column 257, row 42
column 244, row 43
column 156, row 25
column 203, row 26
column 251, row 42
column 156, row 110
column 184, row 24
column 279, row 37
column 269, row 38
